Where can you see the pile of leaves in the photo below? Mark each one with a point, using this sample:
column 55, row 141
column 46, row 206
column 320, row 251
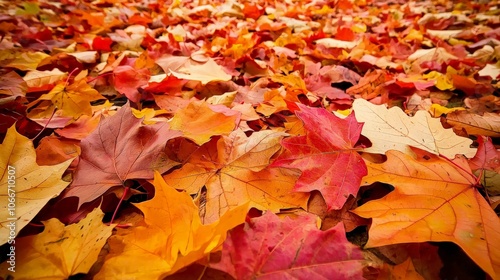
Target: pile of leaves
column 216, row 139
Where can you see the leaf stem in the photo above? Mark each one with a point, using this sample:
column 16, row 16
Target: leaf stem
column 35, row 224
column 98, row 76
column 125, row 192
column 46, row 124
column 69, row 77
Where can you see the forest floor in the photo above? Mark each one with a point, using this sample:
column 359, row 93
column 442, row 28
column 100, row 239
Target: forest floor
column 249, row 140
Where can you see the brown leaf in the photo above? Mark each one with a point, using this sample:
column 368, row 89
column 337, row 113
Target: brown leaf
column 121, row 148
column 487, row 124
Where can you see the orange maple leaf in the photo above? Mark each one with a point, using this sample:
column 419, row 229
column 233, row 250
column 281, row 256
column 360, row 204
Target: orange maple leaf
column 199, row 121
column 234, row 171
column 172, row 237
column 433, row 200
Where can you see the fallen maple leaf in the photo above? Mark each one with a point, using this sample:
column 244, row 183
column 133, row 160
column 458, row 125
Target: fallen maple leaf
column 30, row 185
column 171, row 238
column 198, row 121
column 268, row 247
column 334, row 43
column 251, row 63
column 428, row 191
column 434, row 55
column 38, row 79
column 207, row 72
column 235, row 170
column 128, row 80
column 326, row 155
column 487, row 163
column 23, row 60
column 392, row 129
column 60, row 252
column 70, row 100
column 120, row 148
column 487, row 156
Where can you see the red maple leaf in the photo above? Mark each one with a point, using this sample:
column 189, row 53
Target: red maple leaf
column 326, row 155
column 268, row 247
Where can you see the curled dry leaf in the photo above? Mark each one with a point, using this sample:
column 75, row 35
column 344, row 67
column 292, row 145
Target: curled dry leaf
column 26, row 60
column 334, row 43
column 37, row 79
column 11, row 84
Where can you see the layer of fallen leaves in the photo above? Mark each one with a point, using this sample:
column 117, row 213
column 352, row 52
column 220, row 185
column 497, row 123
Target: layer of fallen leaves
column 250, row 140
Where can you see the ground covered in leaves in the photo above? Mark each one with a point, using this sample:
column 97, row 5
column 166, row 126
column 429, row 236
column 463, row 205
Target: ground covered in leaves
column 249, row 140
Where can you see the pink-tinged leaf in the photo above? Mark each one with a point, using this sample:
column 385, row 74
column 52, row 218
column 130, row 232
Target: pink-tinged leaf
column 127, row 80
column 487, row 156
column 120, row 148
column 325, row 155
column 268, row 247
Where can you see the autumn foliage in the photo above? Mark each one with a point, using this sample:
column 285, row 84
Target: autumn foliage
column 250, row 140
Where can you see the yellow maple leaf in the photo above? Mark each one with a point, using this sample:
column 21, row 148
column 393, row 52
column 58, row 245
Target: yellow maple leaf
column 442, row 81
column 437, row 110
column 59, row 252
column 28, row 186
column 172, row 238
column 70, row 100
column 22, row 60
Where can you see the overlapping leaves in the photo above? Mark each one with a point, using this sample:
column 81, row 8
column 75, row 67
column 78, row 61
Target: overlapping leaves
column 232, row 104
